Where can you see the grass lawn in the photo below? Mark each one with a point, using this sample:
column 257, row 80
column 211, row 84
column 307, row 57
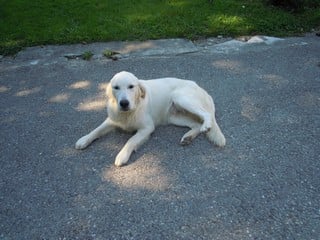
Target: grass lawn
column 36, row 22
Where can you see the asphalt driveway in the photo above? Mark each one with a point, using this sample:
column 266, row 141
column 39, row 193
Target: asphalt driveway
column 265, row 184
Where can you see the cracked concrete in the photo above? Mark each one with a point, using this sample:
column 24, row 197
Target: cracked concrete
column 162, row 47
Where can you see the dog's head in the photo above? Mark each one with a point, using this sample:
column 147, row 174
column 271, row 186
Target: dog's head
column 125, row 91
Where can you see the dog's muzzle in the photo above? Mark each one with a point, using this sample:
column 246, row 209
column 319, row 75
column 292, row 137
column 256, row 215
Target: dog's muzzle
column 124, row 104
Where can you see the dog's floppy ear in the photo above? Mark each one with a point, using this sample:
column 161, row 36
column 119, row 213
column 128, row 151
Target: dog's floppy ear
column 109, row 90
column 109, row 93
column 142, row 90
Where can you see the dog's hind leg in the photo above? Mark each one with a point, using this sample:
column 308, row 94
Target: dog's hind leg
column 205, row 114
column 189, row 136
column 183, row 121
column 215, row 135
column 195, row 107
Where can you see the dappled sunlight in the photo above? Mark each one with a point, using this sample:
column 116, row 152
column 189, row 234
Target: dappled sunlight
column 230, row 20
column 60, row 98
column 4, row 89
column 275, row 80
column 85, row 84
column 92, row 105
column 96, row 103
column 103, row 86
column 136, row 46
column 27, row 92
column 180, row 3
column 228, row 65
column 223, row 21
column 148, row 175
column 249, row 109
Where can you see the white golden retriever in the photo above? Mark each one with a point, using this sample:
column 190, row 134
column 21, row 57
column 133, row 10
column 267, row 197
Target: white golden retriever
column 139, row 105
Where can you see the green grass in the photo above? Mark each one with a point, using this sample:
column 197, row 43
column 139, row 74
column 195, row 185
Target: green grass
column 38, row 22
column 87, row 56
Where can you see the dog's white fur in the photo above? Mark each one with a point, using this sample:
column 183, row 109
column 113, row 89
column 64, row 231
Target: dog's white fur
column 139, row 105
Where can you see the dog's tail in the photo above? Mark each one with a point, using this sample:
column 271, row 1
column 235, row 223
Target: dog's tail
column 215, row 135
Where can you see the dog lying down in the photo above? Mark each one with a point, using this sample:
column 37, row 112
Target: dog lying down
column 141, row 105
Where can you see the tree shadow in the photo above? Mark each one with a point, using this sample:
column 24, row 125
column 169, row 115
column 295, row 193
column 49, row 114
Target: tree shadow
column 257, row 186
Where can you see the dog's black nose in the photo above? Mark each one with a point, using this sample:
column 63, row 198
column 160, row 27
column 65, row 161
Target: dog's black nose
column 124, row 103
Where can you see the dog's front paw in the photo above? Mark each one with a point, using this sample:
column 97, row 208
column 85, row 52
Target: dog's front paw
column 82, row 143
column 121, row 159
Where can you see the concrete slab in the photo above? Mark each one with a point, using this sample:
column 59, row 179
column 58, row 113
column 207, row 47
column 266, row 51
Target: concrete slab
column 162, row 47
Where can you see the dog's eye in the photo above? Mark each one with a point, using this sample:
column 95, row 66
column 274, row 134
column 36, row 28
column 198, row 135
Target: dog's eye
column 116, row 87
column 131, row 86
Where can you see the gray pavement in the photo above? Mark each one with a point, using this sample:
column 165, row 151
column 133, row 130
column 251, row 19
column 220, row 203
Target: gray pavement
column 265, row 184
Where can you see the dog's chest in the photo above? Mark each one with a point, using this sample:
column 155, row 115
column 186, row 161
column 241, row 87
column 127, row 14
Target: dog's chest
column 126, row 121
